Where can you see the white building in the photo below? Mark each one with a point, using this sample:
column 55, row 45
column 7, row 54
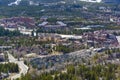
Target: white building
column 70, row 36
column 25, row 31
column 10, row 28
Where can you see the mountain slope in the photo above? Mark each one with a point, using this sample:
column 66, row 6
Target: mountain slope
column 111, row 1
column 6, row 2
column 17, row 2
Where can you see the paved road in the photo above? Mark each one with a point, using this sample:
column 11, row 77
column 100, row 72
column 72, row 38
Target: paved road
column 23, row 68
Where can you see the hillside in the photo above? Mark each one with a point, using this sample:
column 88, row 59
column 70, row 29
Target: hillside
column 17, row 2
column 111, row 1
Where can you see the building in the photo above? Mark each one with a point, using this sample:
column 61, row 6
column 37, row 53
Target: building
column 100, row 39
column 51, row 26
column 25, row 31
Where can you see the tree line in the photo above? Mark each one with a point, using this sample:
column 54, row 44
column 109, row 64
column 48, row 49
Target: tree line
column 9, row 67
column 80, row 72
column 8, row 33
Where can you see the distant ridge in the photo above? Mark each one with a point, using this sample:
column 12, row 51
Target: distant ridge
column 102, row 1
column 17, row 2
column 111, row 1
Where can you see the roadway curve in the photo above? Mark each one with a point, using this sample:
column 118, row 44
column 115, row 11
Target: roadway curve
column 23, row 68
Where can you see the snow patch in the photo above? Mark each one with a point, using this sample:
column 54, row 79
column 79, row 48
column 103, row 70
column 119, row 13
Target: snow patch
column 33, row 3
column 92, row 1
column 17, row 2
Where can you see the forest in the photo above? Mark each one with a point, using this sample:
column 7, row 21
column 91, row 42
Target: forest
column 8, row 33
column 80, row 72
column 9, row 67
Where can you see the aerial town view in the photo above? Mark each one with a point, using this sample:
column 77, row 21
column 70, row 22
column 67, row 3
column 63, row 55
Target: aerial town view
column 59, row 39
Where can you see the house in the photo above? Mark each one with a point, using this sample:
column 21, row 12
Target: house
column 100, row 38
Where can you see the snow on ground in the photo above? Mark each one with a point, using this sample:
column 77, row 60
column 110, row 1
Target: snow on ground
column 17, row 2
column 118, row 38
